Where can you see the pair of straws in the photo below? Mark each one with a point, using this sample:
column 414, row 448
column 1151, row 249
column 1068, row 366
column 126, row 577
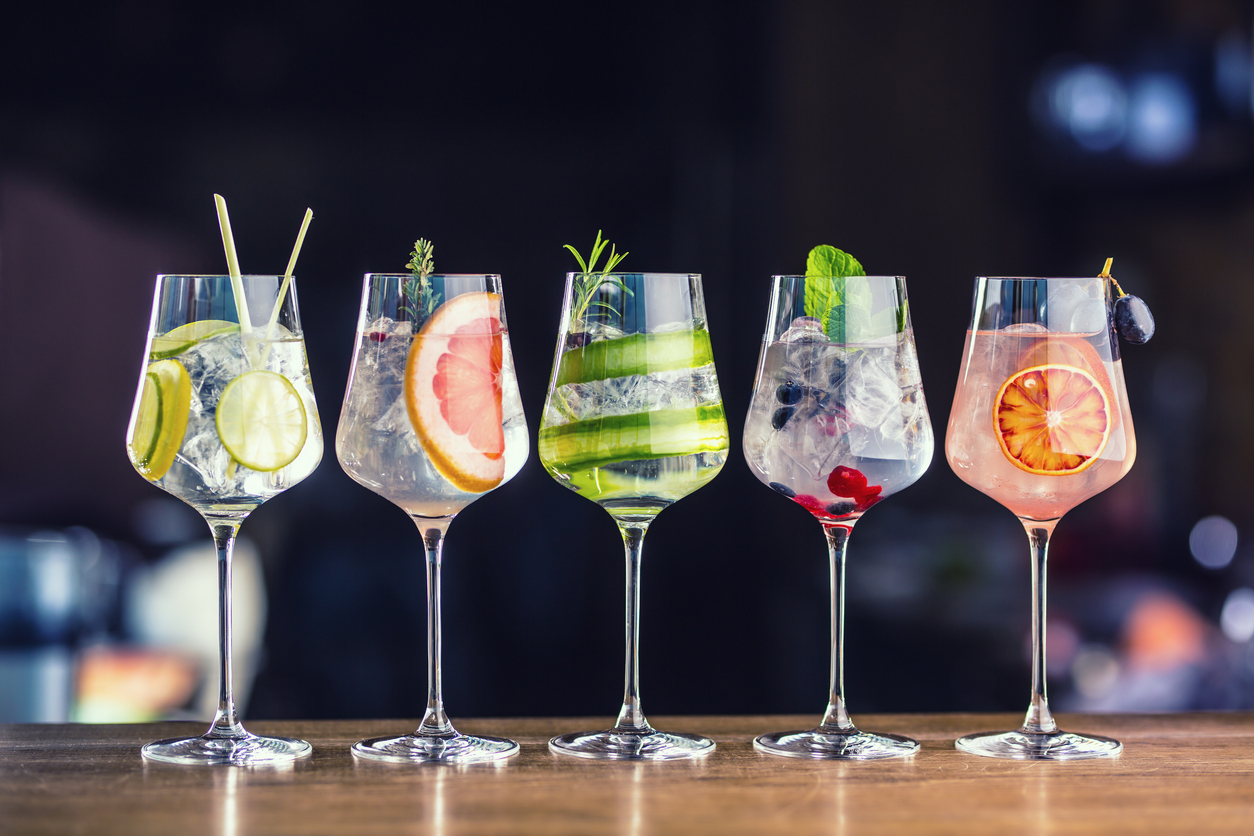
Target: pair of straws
column 232, row 262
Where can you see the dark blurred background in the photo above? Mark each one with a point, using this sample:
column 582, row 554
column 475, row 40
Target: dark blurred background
column 940, row 141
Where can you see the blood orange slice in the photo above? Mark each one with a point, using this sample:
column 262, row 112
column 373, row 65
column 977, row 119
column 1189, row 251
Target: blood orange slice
column 453, row 391
column 1052, row 419
column 1072, row 350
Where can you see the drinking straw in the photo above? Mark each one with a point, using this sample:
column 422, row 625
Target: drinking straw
column 287, row 277
column 232, row 263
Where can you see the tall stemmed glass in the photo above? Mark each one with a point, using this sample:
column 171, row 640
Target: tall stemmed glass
column 432, row 420
column 634, row 422
column 224, row 419
column 1040, row 423
column 838, row 422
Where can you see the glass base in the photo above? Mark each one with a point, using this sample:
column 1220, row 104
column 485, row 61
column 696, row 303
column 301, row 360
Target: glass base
column 1021, row 745
column 248, row 750
column 452, row 748
column 821, row 745
column 613, row 744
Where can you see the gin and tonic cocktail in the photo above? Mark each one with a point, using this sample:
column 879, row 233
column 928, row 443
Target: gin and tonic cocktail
column 1040, row 423
column 224, row 419
column 837, row 423
column 634, row 422
column 432, row 420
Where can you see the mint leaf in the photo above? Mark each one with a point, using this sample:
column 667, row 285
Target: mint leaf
column 826, row 269
column 828, row 262
column 821, row 297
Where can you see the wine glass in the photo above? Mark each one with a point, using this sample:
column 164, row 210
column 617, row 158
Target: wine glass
column 838, row 422
column 1040, row 423
column 224, row 419
column 633, row 421
column 432, row 420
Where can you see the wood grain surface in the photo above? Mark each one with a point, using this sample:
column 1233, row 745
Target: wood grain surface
column 1186, row 773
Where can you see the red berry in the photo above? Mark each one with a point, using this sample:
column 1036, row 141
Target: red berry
column 812, row 504
column 868, row 497
column 845, row 481
column 378, row 336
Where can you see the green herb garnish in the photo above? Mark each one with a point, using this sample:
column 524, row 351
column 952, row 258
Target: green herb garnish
column 589, row 280
column 418, row 296
column 844, row 308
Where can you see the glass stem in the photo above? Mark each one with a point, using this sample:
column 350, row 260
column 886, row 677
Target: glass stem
column 225, row 722
column 631, row 717
column 1038, row 719
column 434, row 722
column 836, row 719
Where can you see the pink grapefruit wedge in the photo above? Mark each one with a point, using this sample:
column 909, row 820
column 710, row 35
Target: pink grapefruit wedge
column 453, row 391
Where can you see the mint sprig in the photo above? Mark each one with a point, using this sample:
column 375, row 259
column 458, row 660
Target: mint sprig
column 826, row 293
column 844, row 308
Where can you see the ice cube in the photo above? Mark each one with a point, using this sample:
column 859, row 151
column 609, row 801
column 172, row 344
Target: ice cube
column 1075, row 308
column 872, row 392
column 804, row 329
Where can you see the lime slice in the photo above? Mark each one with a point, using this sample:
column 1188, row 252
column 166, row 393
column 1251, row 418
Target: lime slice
column 160, row 419
column 261, row 420
column 643, row 435
column 637, row 354
column 178, row 340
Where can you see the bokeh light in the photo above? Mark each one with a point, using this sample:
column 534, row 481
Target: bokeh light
column 1237, row 616
column 1213, row 542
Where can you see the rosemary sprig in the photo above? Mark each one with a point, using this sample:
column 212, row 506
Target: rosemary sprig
column 590, row 279
column 418, row 297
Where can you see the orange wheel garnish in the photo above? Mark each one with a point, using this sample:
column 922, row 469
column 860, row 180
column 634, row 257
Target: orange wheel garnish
column 1052, row 419
column 1071, row 350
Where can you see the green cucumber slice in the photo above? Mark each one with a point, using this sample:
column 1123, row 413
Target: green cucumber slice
column 637, row 354
column 643, row 435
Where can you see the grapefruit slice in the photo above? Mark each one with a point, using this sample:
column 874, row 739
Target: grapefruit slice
column 1052, row 419
column 453, row 391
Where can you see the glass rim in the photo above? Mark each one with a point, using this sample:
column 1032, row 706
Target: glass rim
column 223, row 276
column 433, row 276
column 622, row 273
column 802, row 276
column 1041, row 278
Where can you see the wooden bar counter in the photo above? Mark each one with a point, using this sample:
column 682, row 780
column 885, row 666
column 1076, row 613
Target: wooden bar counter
column 1179, row 773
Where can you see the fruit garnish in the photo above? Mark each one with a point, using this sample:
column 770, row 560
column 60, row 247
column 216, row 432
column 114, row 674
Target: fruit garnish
column 1052, row 419
column 180, row 339
column 780, row 487
column 261, row 420
column 1132, row 316
column 811, row 503
column 453, row 390
column 1058, row 350
column 851, row 483
column 590, row 279
column 161, row 419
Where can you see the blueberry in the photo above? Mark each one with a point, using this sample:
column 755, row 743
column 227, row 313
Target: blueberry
column 1133, row 319
column 841, row 509
column 789, row 393
column 577, row 340
column 784, row 489
column 781, row 416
